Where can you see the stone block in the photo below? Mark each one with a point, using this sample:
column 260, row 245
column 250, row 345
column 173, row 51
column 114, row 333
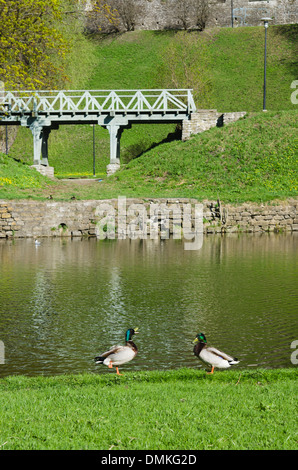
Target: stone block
column 112, row 168
column 33, row 218
column 44, row 170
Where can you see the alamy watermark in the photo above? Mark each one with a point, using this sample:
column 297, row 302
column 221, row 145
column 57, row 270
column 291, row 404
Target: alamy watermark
column 294, row 95
column 136, row 221
column 2, row 353
column 294, row 355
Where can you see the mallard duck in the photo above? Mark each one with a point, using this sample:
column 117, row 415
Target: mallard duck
column 212, row 356
column 118, row 354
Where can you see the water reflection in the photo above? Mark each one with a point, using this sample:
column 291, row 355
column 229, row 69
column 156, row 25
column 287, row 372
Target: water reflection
column 65, row 301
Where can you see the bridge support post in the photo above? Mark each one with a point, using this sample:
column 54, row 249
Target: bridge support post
column 40, row 132
column 40, row 142
column 44, row 146
column 115, row 131
column 36, row 130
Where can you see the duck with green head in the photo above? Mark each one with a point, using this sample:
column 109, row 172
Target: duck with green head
column 118, row 354
column 211, row 356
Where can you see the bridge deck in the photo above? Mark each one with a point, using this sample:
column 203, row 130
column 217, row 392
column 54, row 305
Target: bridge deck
column 96, row 102
column 42, row 111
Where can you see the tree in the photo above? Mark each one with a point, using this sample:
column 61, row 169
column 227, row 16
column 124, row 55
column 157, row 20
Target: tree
column 128, row 11
column 201, row 13
column 192, row 13
column 113, row 15
column 184, row 13
column 102, row 16
column 32, row 45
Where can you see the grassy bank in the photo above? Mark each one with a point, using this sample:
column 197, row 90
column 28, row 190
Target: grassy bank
column 182, row 409
column 18, row 175
column 254, row 159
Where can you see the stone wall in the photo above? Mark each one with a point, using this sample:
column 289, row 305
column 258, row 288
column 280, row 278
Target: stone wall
column 44, row 170
column 250, row 12
column 204, row 119
column 22, row 218
column 162, row 14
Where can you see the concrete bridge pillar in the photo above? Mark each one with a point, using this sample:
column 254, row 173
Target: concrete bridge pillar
column 40, row 129
column 115, row 135
column 36, row 130
column 44, row 146
column 40, row 144
column 115, row 130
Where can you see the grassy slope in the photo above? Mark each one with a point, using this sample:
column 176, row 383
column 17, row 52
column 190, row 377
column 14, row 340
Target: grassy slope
column 238, row 67
column 183, row 409
column 133, row 60
column 252, row 159
column 16, row 174
column 255, row 158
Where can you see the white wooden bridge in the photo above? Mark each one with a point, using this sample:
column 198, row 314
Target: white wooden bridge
column 41, row 111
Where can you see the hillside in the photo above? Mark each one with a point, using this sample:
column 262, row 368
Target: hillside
column 233, row 62
column 232, row 66
column 253, row 159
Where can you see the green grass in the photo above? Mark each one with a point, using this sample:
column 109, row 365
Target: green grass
column 238, row 68
column 254, row 159
column 16, row 176
column 235, row 59
column 129, row 60
column 182, row 409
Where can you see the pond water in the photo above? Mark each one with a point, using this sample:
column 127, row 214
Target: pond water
column 68, row 300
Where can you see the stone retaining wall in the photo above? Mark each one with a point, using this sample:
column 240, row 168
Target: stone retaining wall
column 167, row 14
column 22, row 218
column 204, row 119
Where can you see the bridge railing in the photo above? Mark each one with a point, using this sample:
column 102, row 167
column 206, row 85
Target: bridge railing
column 154, row 100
